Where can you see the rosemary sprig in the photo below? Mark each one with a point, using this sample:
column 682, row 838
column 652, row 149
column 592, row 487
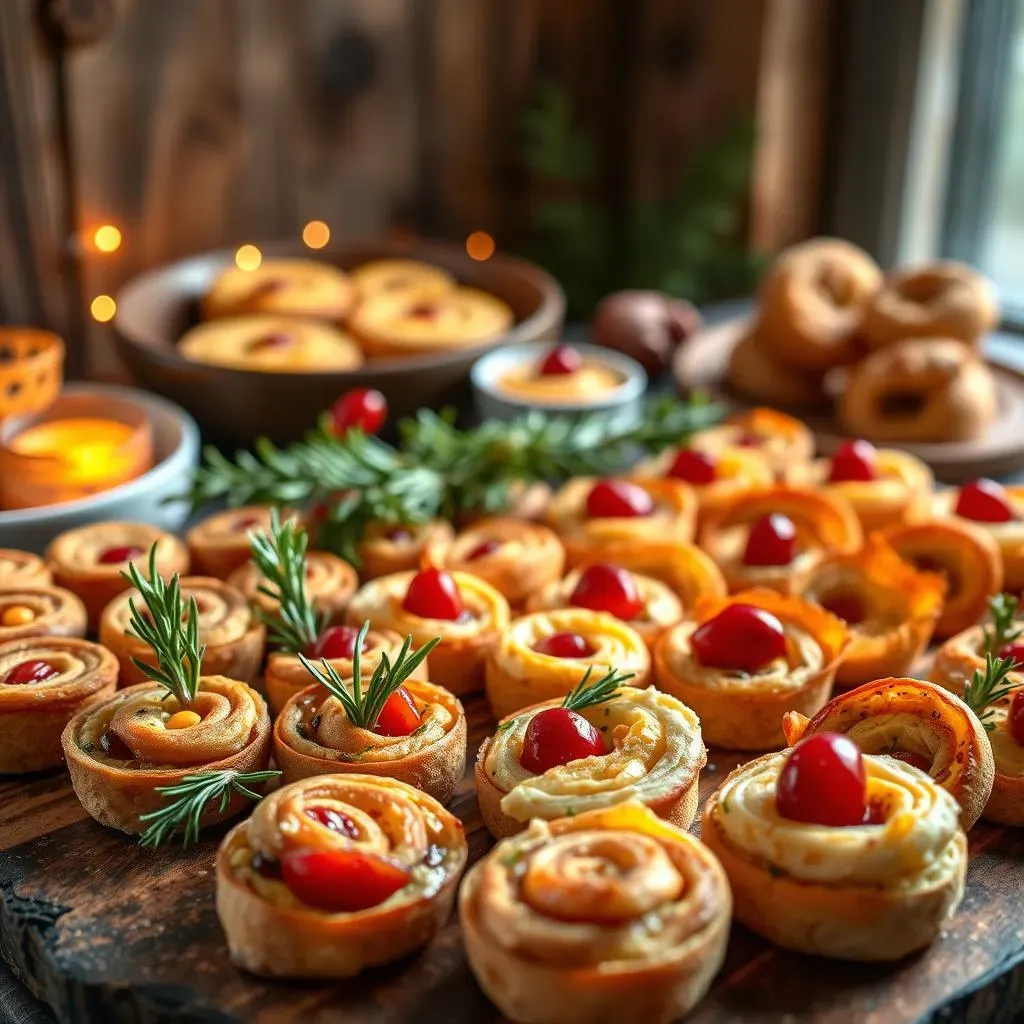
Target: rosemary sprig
column 586, row 694
column 363, row 707
column 191, row 796
column 1003, row 628
column 280, row 557
column 169, row 630
column 989, row 686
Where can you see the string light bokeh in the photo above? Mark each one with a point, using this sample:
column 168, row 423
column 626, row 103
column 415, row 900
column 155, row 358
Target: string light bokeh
column 248, row 257
column 107, row 238
column 480, row 246
column 103, row 308
column 316, row 234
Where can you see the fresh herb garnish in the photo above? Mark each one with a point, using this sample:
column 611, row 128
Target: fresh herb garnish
column 586, row 694
column 1003, row 627
column 988, row 686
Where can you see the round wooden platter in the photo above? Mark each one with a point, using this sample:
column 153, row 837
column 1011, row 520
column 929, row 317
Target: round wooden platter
column 700, row 365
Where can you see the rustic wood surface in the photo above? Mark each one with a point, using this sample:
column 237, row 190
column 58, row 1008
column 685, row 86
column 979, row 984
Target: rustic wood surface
column 100, row 929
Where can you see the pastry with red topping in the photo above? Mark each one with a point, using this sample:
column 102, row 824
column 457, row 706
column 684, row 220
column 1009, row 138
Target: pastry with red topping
column 783, row 440
column 220, row 543
column 413, row 278
column 962, row 655
column 23, row 569
column 388, row 548
column 561, row 376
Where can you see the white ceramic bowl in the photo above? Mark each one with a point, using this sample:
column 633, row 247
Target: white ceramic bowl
column 624, row 403
column 176, row 453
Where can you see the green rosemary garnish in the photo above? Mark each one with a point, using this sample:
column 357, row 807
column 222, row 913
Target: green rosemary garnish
column 363, row 707
column 192, row 795
column 280, row 557
column 586, row 694
column 989, row 686
column 171, row 632
column 1003, row 627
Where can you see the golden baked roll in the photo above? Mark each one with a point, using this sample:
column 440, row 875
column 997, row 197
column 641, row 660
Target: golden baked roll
column 774, row 536
column 928, row 389
column 1005, row 722
column 875, row 889
column 89, row 560
column 889, row 607
column 884, row 485
column 943, row 299
column 40, row 611
column 589, row 514
column 781, row 439
column 609, row 915
column 232, row 636
column 43, row 682
column 464, row 611
column 915, row 722
column 963, row 655
column 387, row 548
column 517, row 558
column 220, row 543
column 22, row 569
column 748, row 659
column 408, row 278
column 282, row 287
column 542, row 656
column 755, row 372
column 335, row 874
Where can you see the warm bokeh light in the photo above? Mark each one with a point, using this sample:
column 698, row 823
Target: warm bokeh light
column 103, row 308
column 316, row 234
column 248, row 257
column 480, row 246
column 107, row 238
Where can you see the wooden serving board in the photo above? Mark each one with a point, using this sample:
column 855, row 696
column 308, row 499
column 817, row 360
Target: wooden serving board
column 102, row 930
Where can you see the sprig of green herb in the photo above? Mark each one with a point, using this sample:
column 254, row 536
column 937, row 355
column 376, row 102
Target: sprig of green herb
column 1003, row 627
column 586, row 694
column 988, row 686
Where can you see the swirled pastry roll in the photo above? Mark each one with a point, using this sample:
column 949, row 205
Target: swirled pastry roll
column 783, row 440
column 386, row 549
column 335, row 874
column 22, row 569
column 610, row 915
column 959, row 658
column 1006, row 804
column 220, row 543
column 40, row 611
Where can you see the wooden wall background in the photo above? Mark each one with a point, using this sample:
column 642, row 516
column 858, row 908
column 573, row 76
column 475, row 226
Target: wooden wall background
column 193, row 124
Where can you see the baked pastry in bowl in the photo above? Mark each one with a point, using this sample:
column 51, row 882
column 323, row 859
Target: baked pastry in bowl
column 335, row 874
column 44, row 681
column 760, row 376
column 917, row 723
column 220, row 543
column 884, row 485
column 889, row 607
column 589, row 514
column 919, row 390
column 944, row 299
column 835, row 853
column 774, row 536
column 232, row 637
column 282, row 287
column 40, row 611
column 387, row 548
column 783, row 440
column 811, row 300
column 89, row 561
column 602, row 744
column 22, row 569
column 465, row 612
column 408, row 278
column 542, row 656
column 608, row 915
column 967, row 558
column 747, row 660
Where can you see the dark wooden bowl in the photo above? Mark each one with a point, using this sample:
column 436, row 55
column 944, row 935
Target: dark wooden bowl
column 236, row 406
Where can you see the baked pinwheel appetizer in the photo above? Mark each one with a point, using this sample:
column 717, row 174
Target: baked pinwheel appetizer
column 746, row 661
column 589, row 514
column 836, row 853
column 884, row 485
column 782, row 440
column 964, row 554
column 889, row 609
column 22, row 569
column 220, row 544
column 40, row 611
column 542, row 656
column 89, row 561
column 43, row 682
column 609, row 915
column 386, row 548
column 465, row 612
column 999, row 511
column 517, row 558
column 200, row 738
column 1002, row 636
column 231, row 636
column 335, row 874
column 602, row 744
column 775, row 536
column 389, row 724
column 917, row 723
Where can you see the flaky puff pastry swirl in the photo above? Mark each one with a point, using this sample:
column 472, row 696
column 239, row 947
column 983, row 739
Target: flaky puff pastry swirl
column 782, row 440
column 960, row 657
column 220, row 543
column 518, row 675
column 270, row 931
column 314, row 736
column 33, row 715
column 890, row 609
column 743, row 710
column 612, row 915
column 121, row 751
column 1006, row 804
column 655, row 755
column 916, row 721
column 386, row 548
column 673, row 518
column 23, row 569
column 40, row 611
column 861, row 892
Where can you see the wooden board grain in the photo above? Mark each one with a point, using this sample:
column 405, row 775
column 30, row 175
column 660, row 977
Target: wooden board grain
column 103, row 930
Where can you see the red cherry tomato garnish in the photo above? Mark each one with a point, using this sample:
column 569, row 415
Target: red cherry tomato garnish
column 618, row 499
column 561, row 360
column 771, row 541
column 984, row 501
column 433, row 594
column 115, row 556
column 334, row 820
column 1014, row 650
column 363, row 408
column 694, row 467
column 399, row 716
column 741, row 637
column 564, row 645
column 483, row 549
column 854, row 460
column 557, row 736
column 335, row 642
column 34, row 671
column 607, row 588
column 823, row 782
column 1015, row 719
column 342, row 881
